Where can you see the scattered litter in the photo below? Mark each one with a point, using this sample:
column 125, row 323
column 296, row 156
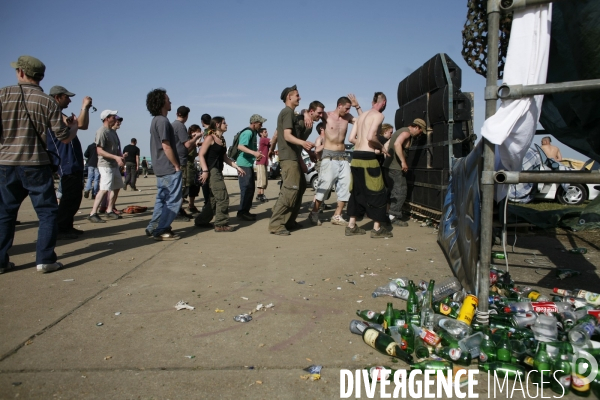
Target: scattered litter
column 99, row 298
column 362, row 276
column 379, row 259
column 259, row 382
column 325, row 280
column 118, row 313
column 372, row 274
column 259, row 307
column 242, row 318
column 219, row 310
column 311, row 377
column 99, row 324
column 352, row 282
column 190, row 357
column 183, row 305
column 107, row 358
column 306, row 369
column 411, row 249
column 68, row 280
column 564, row 273
column 300, row 282
column 27, row 343
column 270, row 305
column 110, row 243
column 244, row 298
column 339, row 288
column 204, row 265
column 17, row 383
column 261, row 345
column 359, row 301
column 313, row 369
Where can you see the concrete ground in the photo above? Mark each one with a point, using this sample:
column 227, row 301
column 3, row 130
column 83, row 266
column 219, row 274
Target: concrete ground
column 62, row 337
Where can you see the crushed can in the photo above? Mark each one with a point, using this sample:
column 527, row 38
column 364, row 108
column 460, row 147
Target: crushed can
column 242, row 318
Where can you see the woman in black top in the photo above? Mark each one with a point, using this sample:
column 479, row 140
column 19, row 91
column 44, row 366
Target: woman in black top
column 213, row 154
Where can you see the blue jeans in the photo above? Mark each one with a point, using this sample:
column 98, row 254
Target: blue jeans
column 93, row 176
column 168, row 203
column 247, row 187
column 16, row 182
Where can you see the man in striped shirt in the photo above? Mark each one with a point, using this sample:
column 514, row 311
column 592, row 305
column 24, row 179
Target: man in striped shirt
column 25, row 167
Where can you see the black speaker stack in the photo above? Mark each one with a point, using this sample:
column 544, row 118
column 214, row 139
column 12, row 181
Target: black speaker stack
column 425, row 94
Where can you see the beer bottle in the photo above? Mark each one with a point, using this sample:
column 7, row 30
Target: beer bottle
column 580, row 385
column 427, row 308
column 487, row 349
column 561, row 379
column 454, row 354
column 541, row 363
column 447, row 339
column 503, row 369
column 596, row 382
column 443, row 308
column 358, row 327
column 504, row 348
column 370, row 316
column 399, row 317
column 385, row 344
column 412, row 306
column 408, row 339
column 421, row 348
column 388, row 316
column 432, row 365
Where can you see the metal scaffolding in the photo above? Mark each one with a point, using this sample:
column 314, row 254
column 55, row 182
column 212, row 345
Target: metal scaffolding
column 489, row 176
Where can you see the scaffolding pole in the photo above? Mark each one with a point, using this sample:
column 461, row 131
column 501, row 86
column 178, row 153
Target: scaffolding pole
column 513, row 177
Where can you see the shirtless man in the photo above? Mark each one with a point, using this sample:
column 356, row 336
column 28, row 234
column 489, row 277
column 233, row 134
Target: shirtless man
column 335, row 168
column 395, row 167
column 551, row 150
column 368, row 194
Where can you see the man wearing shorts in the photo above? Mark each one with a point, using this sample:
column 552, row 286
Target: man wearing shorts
column 262, row 176
column 110, row 160
column 334, row 160
column 367, row 192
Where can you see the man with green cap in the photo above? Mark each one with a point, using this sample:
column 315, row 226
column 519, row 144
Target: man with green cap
column 248, row 148
column 25, row 165
column 395, row 167
column 290, row 145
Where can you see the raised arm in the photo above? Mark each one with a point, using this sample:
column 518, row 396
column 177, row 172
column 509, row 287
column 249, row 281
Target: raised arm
column 84, row 116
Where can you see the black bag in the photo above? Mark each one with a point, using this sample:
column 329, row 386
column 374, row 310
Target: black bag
column 54, row 158
column 233, row 151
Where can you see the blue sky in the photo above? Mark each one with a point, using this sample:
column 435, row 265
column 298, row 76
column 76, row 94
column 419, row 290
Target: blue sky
column 231, row 57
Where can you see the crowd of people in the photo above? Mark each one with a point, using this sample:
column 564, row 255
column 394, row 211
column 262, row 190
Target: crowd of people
column 38, row 139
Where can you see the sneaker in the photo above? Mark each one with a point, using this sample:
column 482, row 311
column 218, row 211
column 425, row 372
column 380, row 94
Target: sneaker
column 166, row 236
column 264, row 199
column 148, row 233
column 314, row 219
column 145, row 176
column 43, row 268
column 112, row 215
column 399, row 222
column 9, row 265
column 66, row 236
column 224, row 228
column 381, row 233
column 281, row 232
column 95, row 218
column 193, row 210
column 258, row 198
column 86, row 194
column 135, row 189
column 355, row 231
column 338, row 220
column 181, row 218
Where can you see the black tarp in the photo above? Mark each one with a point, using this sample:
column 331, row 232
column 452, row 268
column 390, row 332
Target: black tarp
column 573, row 118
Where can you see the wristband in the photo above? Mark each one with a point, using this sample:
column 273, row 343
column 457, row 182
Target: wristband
column 205, row 171
column 357, row 107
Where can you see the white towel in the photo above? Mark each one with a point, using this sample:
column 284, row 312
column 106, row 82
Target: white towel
column 513, row 126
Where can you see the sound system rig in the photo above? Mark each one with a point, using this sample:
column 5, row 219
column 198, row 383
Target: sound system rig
column 432, row 93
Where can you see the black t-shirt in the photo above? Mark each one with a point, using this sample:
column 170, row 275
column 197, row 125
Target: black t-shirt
column 133, row 151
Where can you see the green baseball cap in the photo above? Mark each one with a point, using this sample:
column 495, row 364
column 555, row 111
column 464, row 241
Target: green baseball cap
column 56, row 90
column 31, row 66
column 257, row 118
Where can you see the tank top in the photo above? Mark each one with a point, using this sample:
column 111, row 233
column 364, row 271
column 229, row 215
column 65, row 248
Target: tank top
column 215, row 156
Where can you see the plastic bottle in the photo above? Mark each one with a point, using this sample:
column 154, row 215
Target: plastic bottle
column 581, row 333
column 533, row 295
column 358, row 327
column 545, row 328
column 391, row 288
column 427, row 307
column 471, row 344
column 446, row 288
column 591, row 297
column 458, row 329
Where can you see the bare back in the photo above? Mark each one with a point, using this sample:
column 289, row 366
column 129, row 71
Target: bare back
column 335, row 131
column 365, row 129
column 552, row 152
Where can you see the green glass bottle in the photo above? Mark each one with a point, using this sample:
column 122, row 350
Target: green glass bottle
column 503, row 369
column 432, row 365
column 443, row 308
column 487, row 349
column 454, row 354
column 388, row 316
column 421, row 348
column 504, row 348
column 561, row 378
column 385, row 344
column 447, row 339
column 408, row 339
column 412, row 305
column 580, row 385
column 596, row 382
column 370, row 316
column 399, row 317
column 542, row 363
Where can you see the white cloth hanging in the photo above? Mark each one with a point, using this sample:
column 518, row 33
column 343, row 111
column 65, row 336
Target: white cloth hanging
column 513, row 126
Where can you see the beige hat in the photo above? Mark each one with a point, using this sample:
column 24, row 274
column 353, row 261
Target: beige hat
column 420, row 123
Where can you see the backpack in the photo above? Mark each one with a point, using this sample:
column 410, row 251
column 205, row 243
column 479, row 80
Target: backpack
column 233, row 151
